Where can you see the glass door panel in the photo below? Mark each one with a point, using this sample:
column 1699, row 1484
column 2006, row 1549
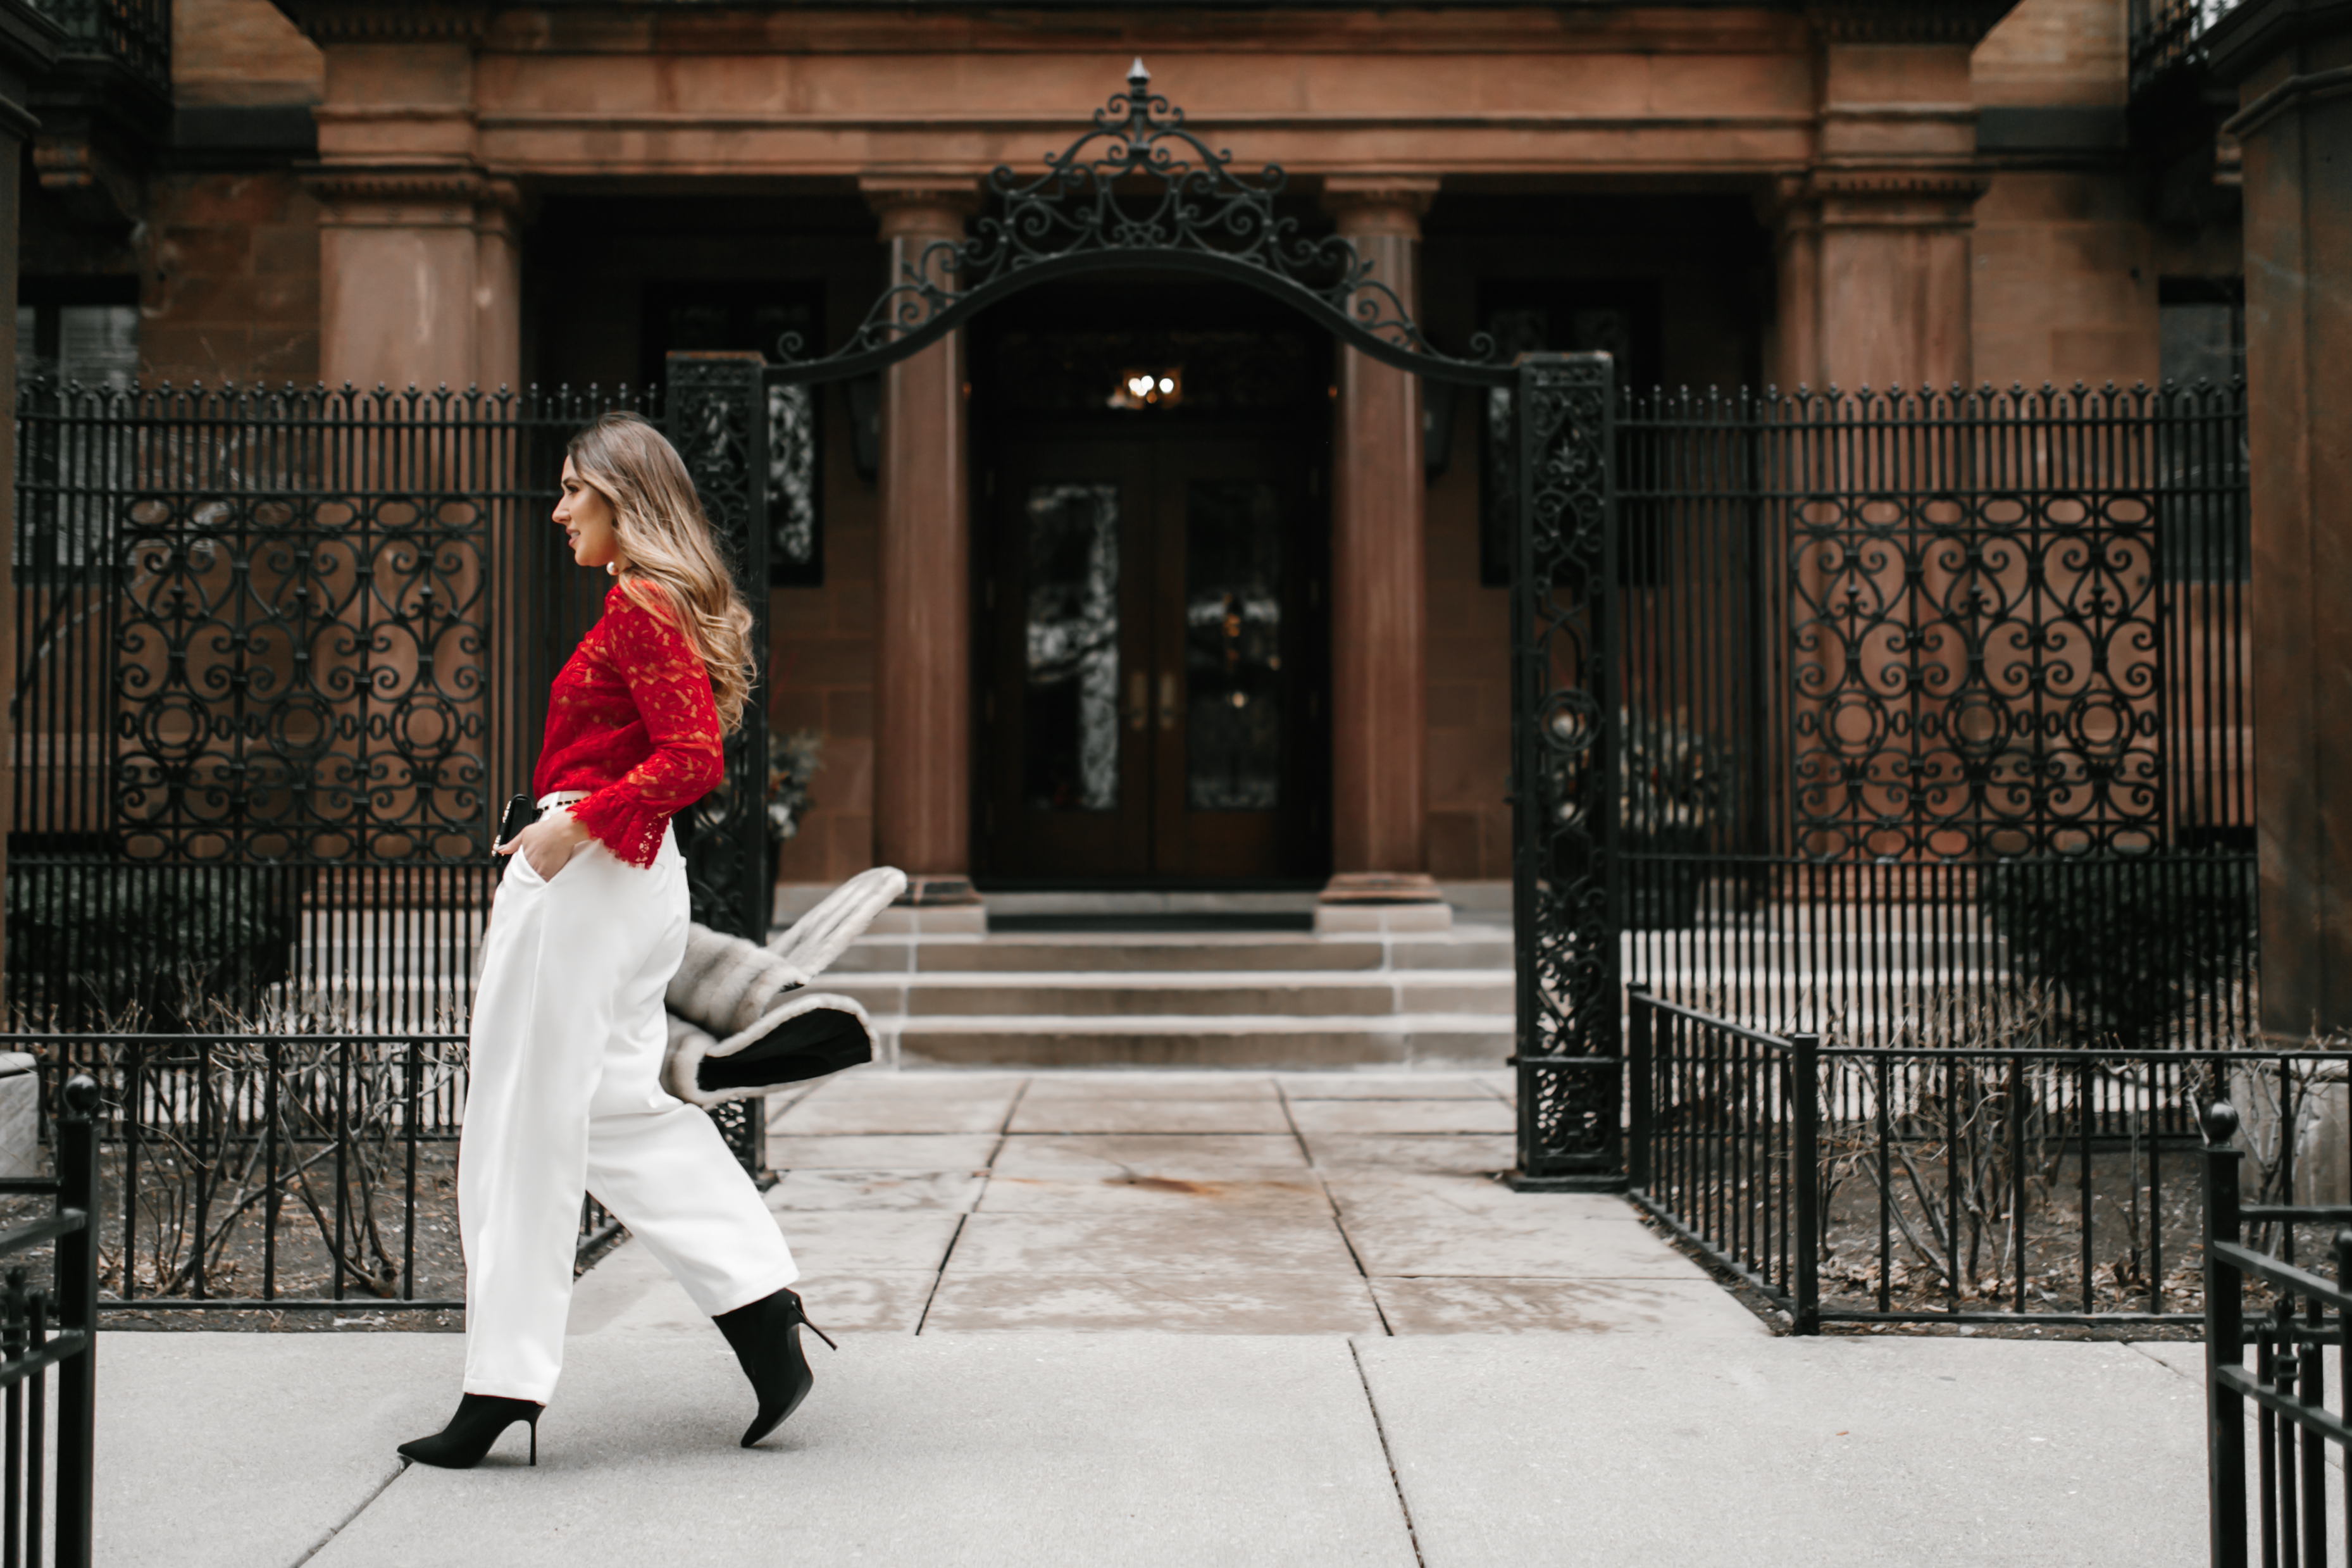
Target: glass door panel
column 1237, row 533
column 1069, row 719
column 1233, row 645
column 1063, row 748
column 1153, row 707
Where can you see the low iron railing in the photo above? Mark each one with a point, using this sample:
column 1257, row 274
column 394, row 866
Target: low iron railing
column 2304, row 1317
column 51, row 1326
column 281, row 1172
column 1959, row 1184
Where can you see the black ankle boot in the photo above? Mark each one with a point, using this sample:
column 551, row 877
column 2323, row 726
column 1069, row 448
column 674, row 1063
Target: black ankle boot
column 766, row 1338
column 481, row 1418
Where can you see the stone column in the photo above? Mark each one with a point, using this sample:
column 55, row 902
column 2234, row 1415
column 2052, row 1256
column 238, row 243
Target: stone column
column 403, row 297
column 498, row 287
column 922, row 677
column 2292, row 63
column 1875, row 237
column 1794, row 344
column 418, row 263
column 1379, row 587
column 29, row 45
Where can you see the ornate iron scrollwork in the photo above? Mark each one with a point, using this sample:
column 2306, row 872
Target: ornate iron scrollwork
column 1139, row 188
column 716, row 418
column 1563, row 718
column 1976, row 636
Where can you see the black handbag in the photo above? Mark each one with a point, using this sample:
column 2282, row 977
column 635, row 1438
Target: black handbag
column 519, row 814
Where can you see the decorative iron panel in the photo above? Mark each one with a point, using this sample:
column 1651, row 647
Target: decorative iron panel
column 1976, row 631
column 259, row 725
column 1937, row 718
column 1563, row 724
column 1139, row 188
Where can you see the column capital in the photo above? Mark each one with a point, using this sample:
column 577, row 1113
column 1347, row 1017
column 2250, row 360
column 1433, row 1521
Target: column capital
column 410, row 195
column 913, row 204
column 1379, row 204
column 1897, row 196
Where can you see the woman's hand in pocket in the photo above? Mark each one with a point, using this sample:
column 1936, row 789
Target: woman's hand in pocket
column 548, row 844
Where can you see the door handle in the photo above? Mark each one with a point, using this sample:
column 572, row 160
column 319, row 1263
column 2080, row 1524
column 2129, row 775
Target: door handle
column 1167, row 700
column 1138, row 700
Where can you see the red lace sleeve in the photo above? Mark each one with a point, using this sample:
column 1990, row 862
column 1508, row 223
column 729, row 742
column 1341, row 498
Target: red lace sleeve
column 672, row 692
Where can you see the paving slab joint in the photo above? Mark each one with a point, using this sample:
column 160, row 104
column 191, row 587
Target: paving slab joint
column 1387, row 1458
column 364, row 1504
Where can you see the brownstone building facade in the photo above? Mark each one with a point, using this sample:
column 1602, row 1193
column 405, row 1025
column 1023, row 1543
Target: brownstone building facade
column 1867, row 192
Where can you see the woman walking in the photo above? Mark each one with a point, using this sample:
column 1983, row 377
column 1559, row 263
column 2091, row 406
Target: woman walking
column 563, row 1090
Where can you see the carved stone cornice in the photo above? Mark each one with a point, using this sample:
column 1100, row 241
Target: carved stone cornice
column 452, row 184
column 1963, row 184
column 1906, row 21
column 445, row 196
column 1881, row 196
column 387, row 21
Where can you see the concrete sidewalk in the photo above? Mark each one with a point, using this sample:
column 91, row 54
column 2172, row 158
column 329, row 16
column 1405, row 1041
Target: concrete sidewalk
column 1053, row 1449
column 1152, row 1318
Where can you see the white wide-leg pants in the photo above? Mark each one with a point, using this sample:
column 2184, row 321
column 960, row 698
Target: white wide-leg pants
column 563, row 1095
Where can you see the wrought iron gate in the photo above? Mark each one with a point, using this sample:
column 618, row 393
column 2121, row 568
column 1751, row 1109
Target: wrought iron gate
column 1893, row 719
column 1820, row 706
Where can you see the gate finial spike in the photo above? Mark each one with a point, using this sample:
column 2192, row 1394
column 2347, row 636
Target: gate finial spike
column 1137, row 79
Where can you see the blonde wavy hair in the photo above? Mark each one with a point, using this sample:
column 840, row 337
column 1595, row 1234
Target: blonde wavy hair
column 666, row 543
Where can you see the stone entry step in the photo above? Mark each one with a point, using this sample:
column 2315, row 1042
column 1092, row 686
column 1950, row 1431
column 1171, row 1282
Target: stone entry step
column 1097, row 993
column 1205, row 999
column 1469, row 947
column 1248, row 1041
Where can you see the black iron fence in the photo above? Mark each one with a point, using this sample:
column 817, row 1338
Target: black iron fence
column 279, row 656
column 268, row 687
column 1967, row 1173
column 1944, row 692
column 1835, row 708
column 2298, row 1318
column 48, row 1325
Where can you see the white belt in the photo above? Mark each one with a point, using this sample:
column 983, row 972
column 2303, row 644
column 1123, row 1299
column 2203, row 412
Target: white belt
column 563, row 798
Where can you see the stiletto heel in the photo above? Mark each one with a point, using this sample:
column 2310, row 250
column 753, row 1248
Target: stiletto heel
column 481, row 1418
column 766, row 1338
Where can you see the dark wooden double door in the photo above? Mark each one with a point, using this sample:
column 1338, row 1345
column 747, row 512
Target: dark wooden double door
column 1155, row 703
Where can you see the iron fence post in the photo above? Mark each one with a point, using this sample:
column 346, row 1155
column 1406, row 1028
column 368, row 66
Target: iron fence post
column 2225, row 1345
column 1639, row 1022
column 77, row 1286
column 1805, row 1100
column 718, row 419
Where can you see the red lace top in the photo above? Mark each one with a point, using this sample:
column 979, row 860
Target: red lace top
column 631, row 718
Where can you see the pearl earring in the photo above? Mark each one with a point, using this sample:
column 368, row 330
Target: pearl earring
column 611, row 568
